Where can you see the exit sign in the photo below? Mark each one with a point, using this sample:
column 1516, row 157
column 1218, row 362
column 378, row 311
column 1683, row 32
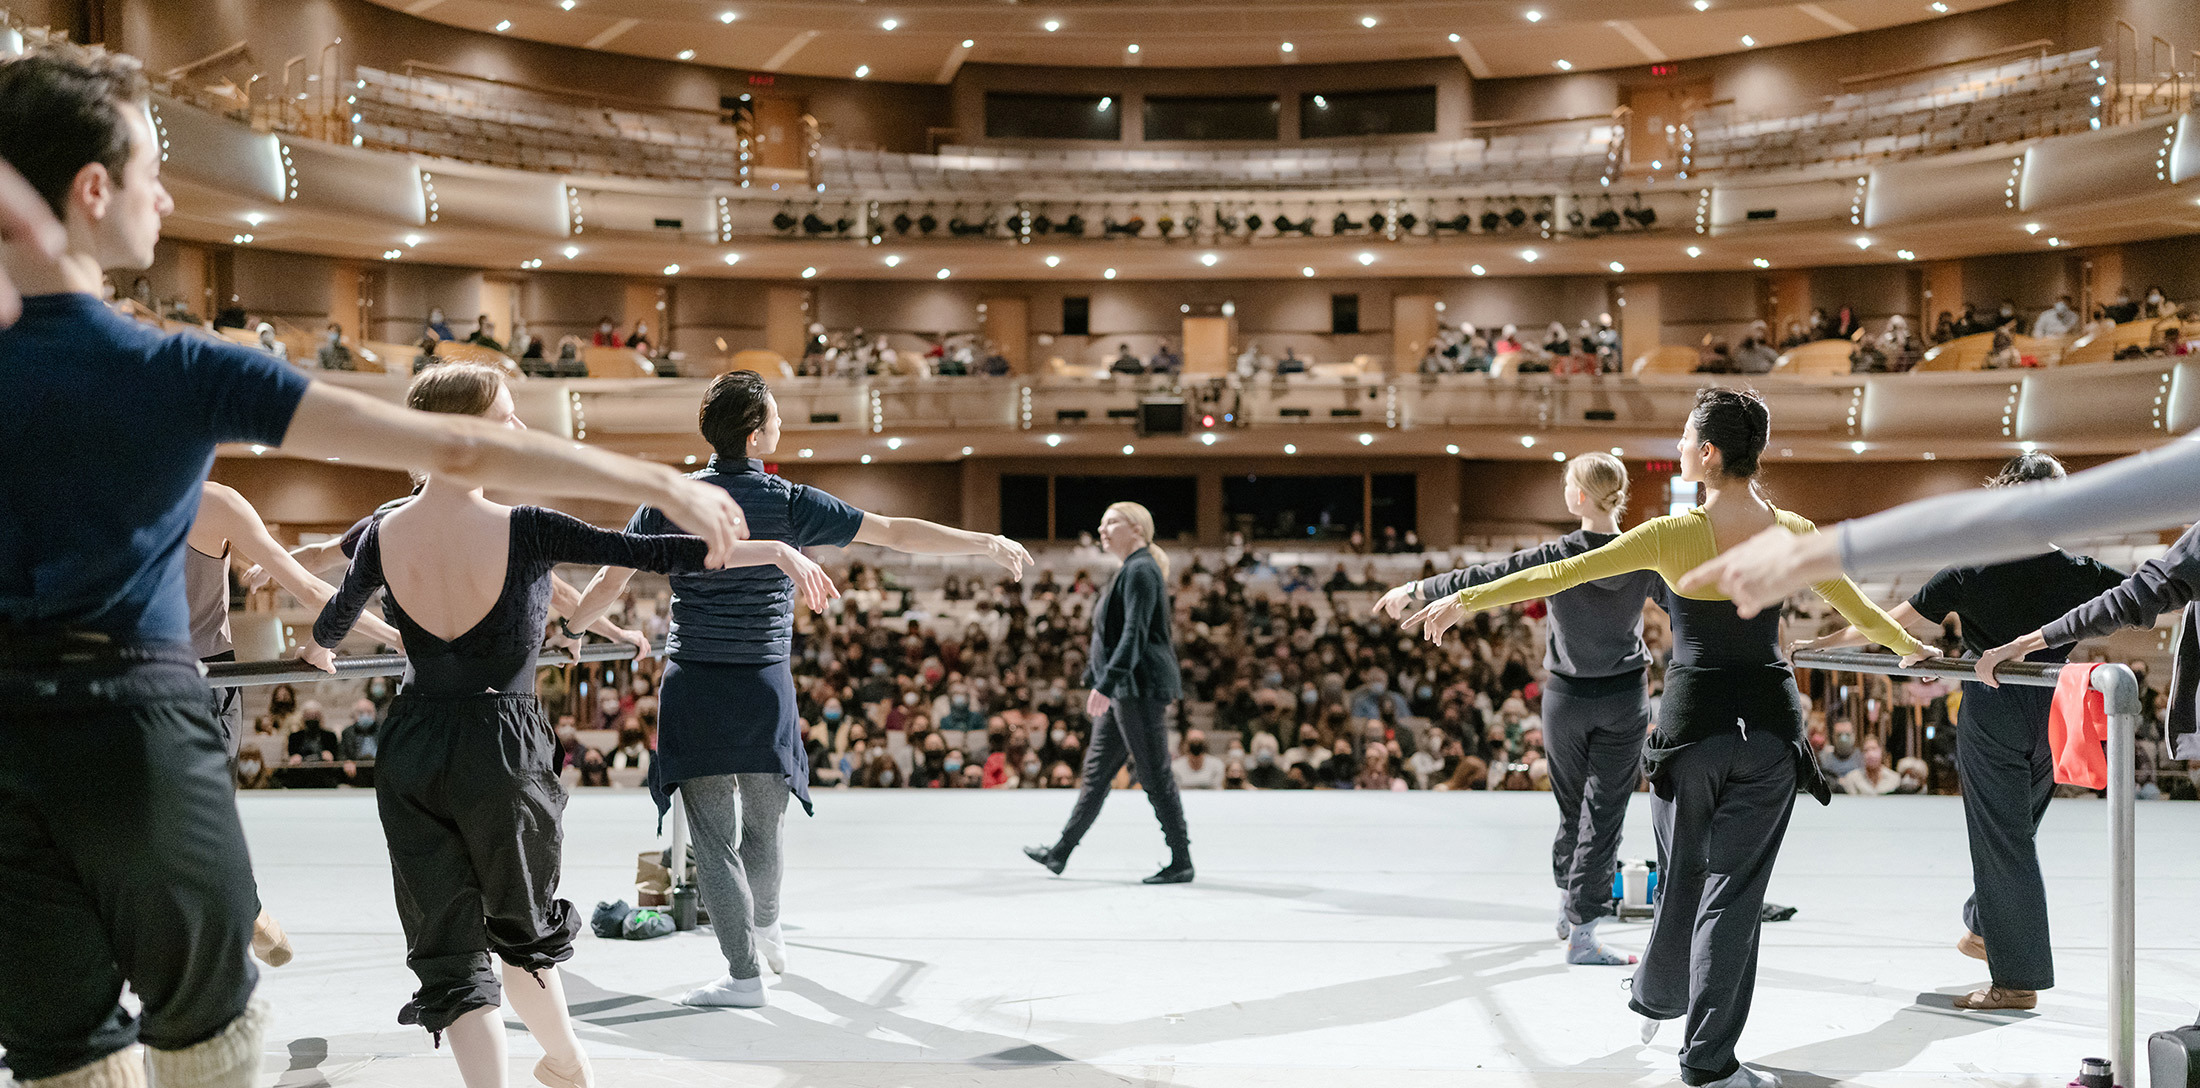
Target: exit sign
column 1665, row 69
column 760, row 79
column 1661, row 466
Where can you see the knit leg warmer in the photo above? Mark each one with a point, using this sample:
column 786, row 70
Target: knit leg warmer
column 228, row 1060
column 124, row 1068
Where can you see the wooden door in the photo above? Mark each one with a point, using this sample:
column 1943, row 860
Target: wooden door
column 779, row 143
column 1656, row 112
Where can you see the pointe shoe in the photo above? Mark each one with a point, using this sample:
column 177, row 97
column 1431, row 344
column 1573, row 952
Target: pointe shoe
column 1994, row 997
column 1972, row 945
column 1046, row 856
column 269, row 942
column 577, row 1075
column 772, row 946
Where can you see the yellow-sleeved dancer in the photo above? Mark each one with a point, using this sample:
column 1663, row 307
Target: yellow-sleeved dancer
column 1727, row 751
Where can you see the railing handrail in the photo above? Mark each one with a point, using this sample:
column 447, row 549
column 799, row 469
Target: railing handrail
column 2120, row 692
column 239, row 674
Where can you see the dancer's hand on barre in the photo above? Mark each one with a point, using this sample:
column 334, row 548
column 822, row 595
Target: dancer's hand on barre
column 708, row 512
column 639, row 640
column 1394, row 603
column 254, row 577
column 2013, row 651
column 810, row 580
column 1097, row 704
column 1925, row 652
column 1762, row 571
column 1437, row 619
column 30, row 240
column 1009, row 554
column 317, row 655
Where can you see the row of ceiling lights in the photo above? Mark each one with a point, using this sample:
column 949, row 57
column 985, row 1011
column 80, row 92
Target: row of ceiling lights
column 1370, row 22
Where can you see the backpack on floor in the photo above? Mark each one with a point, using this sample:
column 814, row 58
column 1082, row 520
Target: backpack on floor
column 2173, row 1058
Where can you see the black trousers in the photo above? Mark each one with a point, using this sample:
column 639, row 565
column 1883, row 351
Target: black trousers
column 1136, row 729
column 121, row 860
column 1594, row 747
column 2008, row 778
column 470, row 800
column 1720, row 808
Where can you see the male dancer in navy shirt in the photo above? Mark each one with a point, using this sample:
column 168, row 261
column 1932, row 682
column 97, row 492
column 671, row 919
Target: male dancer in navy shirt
column 130, row 865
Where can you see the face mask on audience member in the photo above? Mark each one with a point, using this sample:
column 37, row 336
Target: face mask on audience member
column 886, row 778
column 1309, row 696
column 2154, row 297
column 248, row 766
column 1265, row 759
column 832, row 714
column 1379, row 687
column 1197, row 747
column 954, row 764
column 879, row 669
column 909, row 699
column 959, row 702
column 364, row 719
column 1425, row 692
column 1031, row 768
column 1273, row 680
column 1057, row 736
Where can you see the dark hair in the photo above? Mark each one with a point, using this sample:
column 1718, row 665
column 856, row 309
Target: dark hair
column 465, row 389
column 735, row 407
column 2026, row 468
column 61, row 109
column 1737, row 424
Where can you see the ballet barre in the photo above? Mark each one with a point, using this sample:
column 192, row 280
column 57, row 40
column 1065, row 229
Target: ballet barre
column 290, row 670
column 2120, row 692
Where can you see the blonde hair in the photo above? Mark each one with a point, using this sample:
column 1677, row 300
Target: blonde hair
column 1602, row 478
column 1141, row 519
column 462, row 389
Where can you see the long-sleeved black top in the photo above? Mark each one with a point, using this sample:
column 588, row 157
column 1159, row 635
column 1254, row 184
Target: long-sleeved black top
column 1596, row 627
column 2158, row 586
column 1133, row 650
column 498, row 652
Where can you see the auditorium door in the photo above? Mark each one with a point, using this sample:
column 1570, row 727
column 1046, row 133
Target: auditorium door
column 1656, row 112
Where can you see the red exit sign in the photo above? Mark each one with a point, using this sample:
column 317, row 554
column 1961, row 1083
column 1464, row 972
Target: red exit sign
column 1665, row 69
column 1661, row 466
column 760, row 79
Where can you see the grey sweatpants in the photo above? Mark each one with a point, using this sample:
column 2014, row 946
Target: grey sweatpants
column 2002, row 761
column 737, row 821
column 1720, row 813
column 1594, row 747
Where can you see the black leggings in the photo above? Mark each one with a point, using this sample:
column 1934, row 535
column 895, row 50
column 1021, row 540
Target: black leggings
column 121, row 860
column 1136, row 729
column 470, row 799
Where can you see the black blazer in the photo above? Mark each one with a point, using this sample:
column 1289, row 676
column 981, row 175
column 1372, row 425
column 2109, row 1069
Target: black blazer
column 1133, row 649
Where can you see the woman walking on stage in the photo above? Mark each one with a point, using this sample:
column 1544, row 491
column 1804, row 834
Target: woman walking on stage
column 1134, row 677
column 2001, row 744
column 1721, row 795
column 1596, row 706
column 467, row 774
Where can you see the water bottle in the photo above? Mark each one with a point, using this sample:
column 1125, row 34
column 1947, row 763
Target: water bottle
column 683, row 907
column 2094, row 1073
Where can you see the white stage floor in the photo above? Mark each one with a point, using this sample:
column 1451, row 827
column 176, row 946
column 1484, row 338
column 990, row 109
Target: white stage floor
column 1331, row 939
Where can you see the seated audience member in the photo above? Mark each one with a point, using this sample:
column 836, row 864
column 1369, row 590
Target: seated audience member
column 607, row 335
column 1755, row 355
column 1342, row 771
column 2056, row 321
column 1471, row 774
column 1370, row 699
column 639, row 339
column 568, row 363
column 313, row 742
column 594, row 771
column 525, row 344
column 880, row 773
column 268, row 343
column 2006, row 317
column 1061, row 777
column 1716, row 357
column 1844, row 325
column 1165, row 360
column 633, row 749
column 358, row 742
column 1970, row 323
column 1195, row 769
column 1249, row 361
column 2157, row 303
column 1290, row 363
column 437, row 327
column 1872, row 777
column 1796, row 336
column 1376, row 774
column 2172, row 343
column 332, row 354
column 1866, row 357
column 1842, row 757
column 1266, row 769
column 1819, row 328
column 2004, row 354
column 485, row 334
column 1945, row 329
column 1126, row 361
column 2125, row 308
column 1915, row 774
column 1233, row 774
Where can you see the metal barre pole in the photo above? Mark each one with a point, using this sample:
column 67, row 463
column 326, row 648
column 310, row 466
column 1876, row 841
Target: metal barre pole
column 2120, row 693
column 239, row 674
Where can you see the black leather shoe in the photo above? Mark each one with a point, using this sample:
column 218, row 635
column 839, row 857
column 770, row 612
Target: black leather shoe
column 1046, row 856
column 1176, row 872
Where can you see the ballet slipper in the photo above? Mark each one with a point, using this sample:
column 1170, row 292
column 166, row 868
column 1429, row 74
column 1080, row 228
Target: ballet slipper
column 577, row 1075
column 728, row 992
column 124, row 1068
column 231, row 1059
column 1649, row 1029
column 1972, row 945
column 1995, row 997
column 269, row 942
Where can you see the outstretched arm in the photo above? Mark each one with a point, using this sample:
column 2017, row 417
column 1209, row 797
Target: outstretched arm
column 919, row 537
column 1852, row 635
column 226, row 515
column 1638, row 548
column 1422, row 591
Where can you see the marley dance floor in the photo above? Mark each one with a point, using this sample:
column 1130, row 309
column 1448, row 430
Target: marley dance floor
column 1331, row 939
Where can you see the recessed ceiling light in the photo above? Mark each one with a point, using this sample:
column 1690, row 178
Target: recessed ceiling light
column 1366, row 259
column 733, row 258
column 1129, row 449
column 1749, row 42
column 691, row 458
column 1616, row 267
column 1207, row 439
column 1107, row 274
column 1455, row 39
column 1761, row 262
column 1106, row 101
column 862, row 70
column 1367, row 21
column 1287, row 47
column 1703, row 5
column 1054, row 260
column 686, row 54
column 1131, row 48
column 893, row 443
column 1618, row 452
column 1366, row 439
column 1905, row 254
column 1052, row 25
column 503, row 25
column 1527, row 441
column 2031, row 228
column 966, row 451
column 2050, row 241
column 672, row 270
column 1288, row 447
column 255, row 218
column 1558, row 455
column 1856, row 447
column 727, row 16
column 1477, row 269
column 941, row 274
column 1208, row 259
column 893, row 259
column 1054, row 440
column 1938, row 7
column 1694, row 252
column 1533, row 16
column 1863, row 243
column 890, row 24
column 1564, row 65
column 571, row 252
column 810, row 273
column 969, row 43
column 1529, row 255
column 865, row 459
column 1452, row 450
column 412, row 240
column 566, row 4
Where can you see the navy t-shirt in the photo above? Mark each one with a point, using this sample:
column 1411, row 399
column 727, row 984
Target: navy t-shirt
column 110, row 431
column 745, row 615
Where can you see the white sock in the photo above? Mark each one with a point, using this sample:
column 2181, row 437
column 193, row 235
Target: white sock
column 772, row 946
column 1745, row 1077
column 728, row 992
column 1649, row 1029
column 1582, row 947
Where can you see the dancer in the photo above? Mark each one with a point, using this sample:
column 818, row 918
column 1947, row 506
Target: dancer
column 1721, row 796
column 1134, row 676
column 466, row 777
column 727, row 736
column 131, row 868
column 1596, row 705
column 2152, row 490
column 2001, row 744
column 226, row 523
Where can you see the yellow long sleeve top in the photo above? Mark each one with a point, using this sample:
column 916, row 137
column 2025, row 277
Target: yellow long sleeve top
column 1672, row 546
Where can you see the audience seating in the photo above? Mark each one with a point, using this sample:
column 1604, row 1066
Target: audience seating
column 1815, row 359
column 1667, row 359
column 459, row 351
column 616, row 363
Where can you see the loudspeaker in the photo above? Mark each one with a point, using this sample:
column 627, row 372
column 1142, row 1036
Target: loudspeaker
column 1160, row 415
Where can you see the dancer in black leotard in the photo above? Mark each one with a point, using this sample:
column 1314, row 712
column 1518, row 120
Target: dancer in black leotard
column 466, row 776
